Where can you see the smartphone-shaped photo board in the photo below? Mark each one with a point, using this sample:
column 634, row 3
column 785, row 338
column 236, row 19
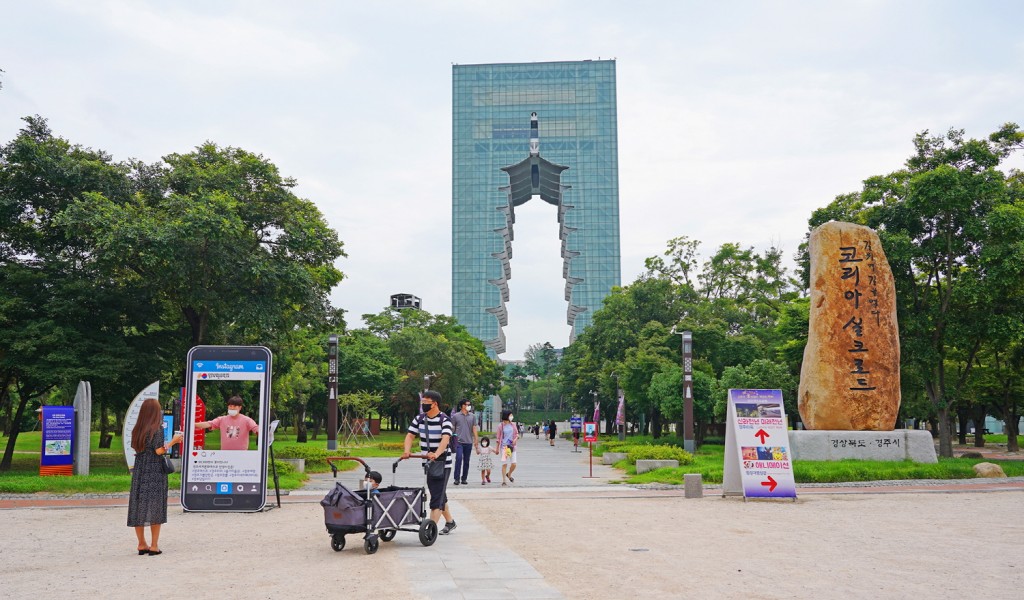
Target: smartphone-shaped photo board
column 229, row 472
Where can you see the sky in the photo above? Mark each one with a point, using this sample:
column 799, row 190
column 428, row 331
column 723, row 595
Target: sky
column 736, row 119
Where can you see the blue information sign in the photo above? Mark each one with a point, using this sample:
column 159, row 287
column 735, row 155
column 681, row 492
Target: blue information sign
column 56, row 457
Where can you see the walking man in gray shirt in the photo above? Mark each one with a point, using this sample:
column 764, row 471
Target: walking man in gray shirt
column 467, row 438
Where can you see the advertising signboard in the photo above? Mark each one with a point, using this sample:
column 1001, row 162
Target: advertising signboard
column 589, row 432
column 229, row 476
column 58, row 431
column 757, row 450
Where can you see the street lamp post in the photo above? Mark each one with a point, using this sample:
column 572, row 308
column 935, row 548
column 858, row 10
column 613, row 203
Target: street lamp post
column 688, row 441
column 332, row 392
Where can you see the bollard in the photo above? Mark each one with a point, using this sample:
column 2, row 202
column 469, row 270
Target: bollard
column 693, row 486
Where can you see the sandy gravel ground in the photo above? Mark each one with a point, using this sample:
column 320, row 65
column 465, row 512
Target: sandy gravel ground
column 927, row 545
column 90, row 553
column 948, row 545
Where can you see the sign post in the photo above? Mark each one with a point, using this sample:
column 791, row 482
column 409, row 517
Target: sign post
column 332, row 392
column 590, row 436
column 757, row 451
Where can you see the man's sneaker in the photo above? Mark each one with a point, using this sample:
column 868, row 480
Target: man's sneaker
column 448, row 527
column 464, row 482
column 456, row 482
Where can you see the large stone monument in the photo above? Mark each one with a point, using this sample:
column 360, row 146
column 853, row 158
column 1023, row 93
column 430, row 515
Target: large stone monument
column 850, row 376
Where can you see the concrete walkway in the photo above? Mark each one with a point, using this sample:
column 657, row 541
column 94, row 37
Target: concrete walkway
column 470, row 562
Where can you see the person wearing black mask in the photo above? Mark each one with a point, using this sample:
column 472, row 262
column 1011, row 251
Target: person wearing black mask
column 434, row 430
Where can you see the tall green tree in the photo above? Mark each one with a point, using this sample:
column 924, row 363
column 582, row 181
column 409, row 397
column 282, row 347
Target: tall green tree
column 932, row 219
column 220, row 236
column 434, row 346
column 62, row 317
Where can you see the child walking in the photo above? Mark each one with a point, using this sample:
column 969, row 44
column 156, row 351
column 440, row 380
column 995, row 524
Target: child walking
column 486, row 459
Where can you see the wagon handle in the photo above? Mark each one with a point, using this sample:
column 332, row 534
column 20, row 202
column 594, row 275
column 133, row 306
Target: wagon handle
column 394, row 467
column 334, row 469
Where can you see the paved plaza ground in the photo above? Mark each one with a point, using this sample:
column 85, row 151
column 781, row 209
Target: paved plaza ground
column 553, row 534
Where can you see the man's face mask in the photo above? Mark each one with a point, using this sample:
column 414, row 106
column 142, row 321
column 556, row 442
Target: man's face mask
column 233, row 412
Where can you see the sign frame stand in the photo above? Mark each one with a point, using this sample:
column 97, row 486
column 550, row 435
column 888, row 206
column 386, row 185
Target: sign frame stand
column 751, row 467
column 590, row 427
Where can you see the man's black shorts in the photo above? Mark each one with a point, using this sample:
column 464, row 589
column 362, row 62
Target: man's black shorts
column 438, row 490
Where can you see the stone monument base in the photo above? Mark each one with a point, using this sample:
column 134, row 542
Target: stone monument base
column 900, row 444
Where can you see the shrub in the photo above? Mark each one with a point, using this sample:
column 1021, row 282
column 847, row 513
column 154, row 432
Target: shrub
column 397, row 446
column 659, row 452
column 315, row 457
column 283, row 468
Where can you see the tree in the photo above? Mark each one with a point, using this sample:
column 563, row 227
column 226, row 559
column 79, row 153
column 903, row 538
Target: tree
column 667, row 390
column 62, row 317
column 761, row 374
column 541, row 360
column 641, row 364
column 219, row 235
column 436, row 346
column 932, row 220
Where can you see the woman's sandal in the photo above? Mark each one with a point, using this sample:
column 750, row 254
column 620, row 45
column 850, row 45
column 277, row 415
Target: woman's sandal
column 510, row 479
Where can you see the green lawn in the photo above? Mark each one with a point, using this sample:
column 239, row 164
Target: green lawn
column 709, row 462
column 108, row 472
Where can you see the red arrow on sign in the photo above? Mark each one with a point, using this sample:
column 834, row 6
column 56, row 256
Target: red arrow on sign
column 770, row 484
column 761, row 433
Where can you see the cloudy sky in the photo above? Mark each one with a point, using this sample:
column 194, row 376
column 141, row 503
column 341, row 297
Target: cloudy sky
column 736, row 119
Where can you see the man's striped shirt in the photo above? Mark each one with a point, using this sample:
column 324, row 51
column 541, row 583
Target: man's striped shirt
column 430, row 430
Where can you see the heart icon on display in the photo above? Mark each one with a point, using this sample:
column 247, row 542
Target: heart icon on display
column 194, row 453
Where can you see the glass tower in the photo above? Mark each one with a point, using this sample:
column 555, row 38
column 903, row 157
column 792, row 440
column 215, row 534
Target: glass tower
column 520, row 131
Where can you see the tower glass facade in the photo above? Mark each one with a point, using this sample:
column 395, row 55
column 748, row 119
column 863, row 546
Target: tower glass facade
column 575, row 105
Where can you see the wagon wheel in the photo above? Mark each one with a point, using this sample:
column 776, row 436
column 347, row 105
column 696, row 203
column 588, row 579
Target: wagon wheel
column 388, row 534
column 371, row 545
column 428, row 532
column 337, row 542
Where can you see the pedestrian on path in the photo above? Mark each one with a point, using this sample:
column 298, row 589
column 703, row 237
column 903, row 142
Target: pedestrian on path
column 552, row 430
column 147, row 500
column 486, row 459
column 434, row 430
column 508, row 436
column 467, row 437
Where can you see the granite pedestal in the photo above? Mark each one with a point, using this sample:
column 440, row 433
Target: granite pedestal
column 897, row 445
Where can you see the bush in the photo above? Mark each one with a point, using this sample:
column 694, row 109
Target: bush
column 659, row 452
column 316, row 458
column 396, row 446
column 283, row 468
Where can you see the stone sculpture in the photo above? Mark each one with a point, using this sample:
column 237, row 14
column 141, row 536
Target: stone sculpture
column 850, row 377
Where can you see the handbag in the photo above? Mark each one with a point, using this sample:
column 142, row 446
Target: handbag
column 434, row 468
column 168, row 465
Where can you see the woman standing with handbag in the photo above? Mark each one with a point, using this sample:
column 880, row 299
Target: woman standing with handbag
column 508, row 435
column 147, row 501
